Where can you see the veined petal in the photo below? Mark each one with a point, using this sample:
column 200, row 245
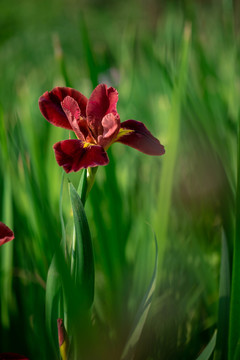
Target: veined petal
column 140, row 138
column 111, row 126
column 51, row 109
column 72, row 111
column 5, row 234
column 103, row 101
column 74, row 155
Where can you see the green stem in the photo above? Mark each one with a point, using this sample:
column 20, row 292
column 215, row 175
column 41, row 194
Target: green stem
column 85, row 185
column 234, row 325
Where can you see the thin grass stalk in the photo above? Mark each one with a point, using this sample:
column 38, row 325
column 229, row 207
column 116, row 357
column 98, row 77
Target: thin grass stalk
column 167, row 175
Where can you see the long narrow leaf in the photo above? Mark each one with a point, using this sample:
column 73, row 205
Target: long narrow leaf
column 142, row 313
column 82, row 187
column 83, row 270
column 207, row 352
column 224, row 301
column 167, row 175
column 53, row 297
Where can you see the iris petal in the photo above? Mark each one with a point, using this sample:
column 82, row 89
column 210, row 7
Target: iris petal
column 103, row 101
column 72, row 111
column 50, row 105
column 111, row 126
column 74, row 155
column 5, row 234
column 140, row 138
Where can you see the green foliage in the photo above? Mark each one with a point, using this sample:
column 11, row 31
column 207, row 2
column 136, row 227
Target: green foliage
column 207, row 352
column 185, row 89
column 141, row 314
column 82, row 251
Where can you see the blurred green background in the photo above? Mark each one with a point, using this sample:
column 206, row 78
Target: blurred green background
column 175, row 65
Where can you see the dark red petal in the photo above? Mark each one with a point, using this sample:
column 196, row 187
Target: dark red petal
column 72, row 111
column 5, row 234
column 102, row 102
column 111, row 126
column 12, row 356
column 73, row 156
column 140, row 138
column 50, row 105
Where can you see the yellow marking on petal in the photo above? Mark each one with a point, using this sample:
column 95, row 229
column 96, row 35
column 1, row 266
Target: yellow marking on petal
column 123, row 132
column 86, row 144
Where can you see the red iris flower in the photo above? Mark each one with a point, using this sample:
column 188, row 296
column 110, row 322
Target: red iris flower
column 96, row 124
column 5, row 234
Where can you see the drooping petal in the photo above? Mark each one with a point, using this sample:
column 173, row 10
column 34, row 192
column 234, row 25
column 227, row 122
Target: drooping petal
column 51, row 109
column 135, row 134
column 111, row 126
column 103, row 101
column 5, row 234
column 12, row 356
column 72, row 111
column 74, row 155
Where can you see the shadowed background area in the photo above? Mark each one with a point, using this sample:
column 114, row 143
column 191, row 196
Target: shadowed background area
column 175, row 66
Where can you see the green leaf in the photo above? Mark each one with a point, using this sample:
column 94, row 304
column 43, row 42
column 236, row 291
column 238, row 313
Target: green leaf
column 82, row 187
column 82, row 252
column 141, row 315
column 53, row 300
column 170, row 158
column 224, row 302
column 88, row 52
column 237, row 351
column 207, row 352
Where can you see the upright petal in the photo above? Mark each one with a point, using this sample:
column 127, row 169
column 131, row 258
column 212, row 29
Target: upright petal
column 111, row 126
column 74, row 155
column 102, row 102
column 72, row 111
column 135, row 134
column 5, row 234
column 50, row 105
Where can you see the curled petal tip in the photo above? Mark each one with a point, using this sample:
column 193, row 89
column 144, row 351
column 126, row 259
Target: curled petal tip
column 51, row 109
column 136, row 135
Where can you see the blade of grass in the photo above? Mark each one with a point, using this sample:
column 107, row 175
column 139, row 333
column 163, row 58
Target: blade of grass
column 167, row 175
column 224, row 301
column 207, row 352
column 53, row 298
column 87, row 47
column 141, row 316
column 60, row 60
